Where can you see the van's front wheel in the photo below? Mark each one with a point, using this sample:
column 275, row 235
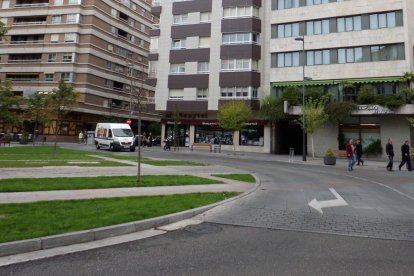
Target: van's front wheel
column 111, row 147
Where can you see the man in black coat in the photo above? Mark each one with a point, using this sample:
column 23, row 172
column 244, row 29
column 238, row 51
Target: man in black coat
column 358, row 152
column 389, row 150
column 405, row 153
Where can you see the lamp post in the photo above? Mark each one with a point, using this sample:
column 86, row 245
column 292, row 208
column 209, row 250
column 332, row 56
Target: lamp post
column 304, row 150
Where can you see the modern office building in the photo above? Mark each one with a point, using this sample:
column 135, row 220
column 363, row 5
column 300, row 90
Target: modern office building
column 100, row 47
column 205, row 52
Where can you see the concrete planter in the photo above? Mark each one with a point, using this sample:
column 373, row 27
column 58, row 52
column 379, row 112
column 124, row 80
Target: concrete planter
column 331, row 161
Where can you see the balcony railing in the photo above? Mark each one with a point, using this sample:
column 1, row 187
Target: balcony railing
column 24, row 60
column 30, row 23
column 27, row 41
column 31, row 5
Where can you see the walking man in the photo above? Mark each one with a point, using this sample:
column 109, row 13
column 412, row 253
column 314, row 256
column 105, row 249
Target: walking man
column 80, row 136
column 389, row 150
column 358, row 152
column 350, row 154
column 405, row 153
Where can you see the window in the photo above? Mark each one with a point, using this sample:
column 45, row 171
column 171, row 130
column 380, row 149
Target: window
column 235, row 92
column 349, row 24
column 176, row 94
column 72, row 18
column 239, row 65
column 49, row 77
column 202, row 93
column 242, row 11
column 68, row 57
column 317, row 57
column 177, row 68
column 204, row 42
column 75, row 2
column 142, row 28
column 51, row 57
column 179, row 43
column 54, row 38
column 114, row 12
column 287, row 4
column 56, row 19
column 288, row 30
column 67, row 76
column 383, row 20
column 350, row 55
column 287, row 59
column 203, row 67
column 152, row 64
column 109, row 65
column 205, row 16
column 180, row 19
column 317, row 27
column 71, row 37
column 5, row 4
column 108, row 83
column 241, row 38
column 58, row 2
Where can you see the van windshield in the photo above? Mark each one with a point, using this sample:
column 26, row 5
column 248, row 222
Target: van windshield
column 124, row 132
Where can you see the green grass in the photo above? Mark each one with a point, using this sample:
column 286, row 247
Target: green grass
column 31, row 220
column 240, row 177
column 11, row 157
column 101, row 182
column 40, row 163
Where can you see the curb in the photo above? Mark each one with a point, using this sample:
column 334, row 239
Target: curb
column 24, row 246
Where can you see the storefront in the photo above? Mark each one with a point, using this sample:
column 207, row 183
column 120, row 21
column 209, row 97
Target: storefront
column 250, row 138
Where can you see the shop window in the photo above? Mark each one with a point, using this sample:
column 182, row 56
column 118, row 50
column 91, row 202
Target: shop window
column 213, row 134
column 252, row 136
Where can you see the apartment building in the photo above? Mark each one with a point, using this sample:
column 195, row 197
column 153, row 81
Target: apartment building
column 100, row 47
column 218, row 50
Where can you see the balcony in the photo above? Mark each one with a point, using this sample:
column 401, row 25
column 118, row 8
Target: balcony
column 31, row 3
column 38, row 20
column 25, row 58
column 27, row 39
column 25, row 77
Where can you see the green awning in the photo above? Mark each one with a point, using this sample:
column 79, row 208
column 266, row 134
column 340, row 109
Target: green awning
column 369, row 80
column 333, row 82
column 300, row 83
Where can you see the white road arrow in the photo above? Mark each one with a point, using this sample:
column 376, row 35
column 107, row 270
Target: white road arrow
column 318, row 205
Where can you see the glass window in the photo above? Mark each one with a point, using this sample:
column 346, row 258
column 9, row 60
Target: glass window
column 317, row 27
column 202, row 93
column 318, row 57
column 358, row 54
column 310, row 58
column 373, row 21
column 325, row 26
column 326, row 56
column 280, row 30
column 348, row 24
column 391, row 20
column 280, row 60
column 341, row 25
column 350, row 55
column 357, row 23
column 341, row 56
column 309, row 28
column 382, row 20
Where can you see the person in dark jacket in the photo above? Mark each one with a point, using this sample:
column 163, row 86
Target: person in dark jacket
column 389, row 150
column 358, row 152
column 405, row 153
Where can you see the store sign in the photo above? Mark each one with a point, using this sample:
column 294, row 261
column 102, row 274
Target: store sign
column 374, row 109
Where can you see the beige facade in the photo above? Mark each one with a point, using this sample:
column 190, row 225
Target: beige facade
column 91, row 44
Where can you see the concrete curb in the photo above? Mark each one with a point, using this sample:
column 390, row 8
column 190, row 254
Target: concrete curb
column 24, row 246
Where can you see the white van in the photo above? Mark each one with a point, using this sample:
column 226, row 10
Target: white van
column 114, row 137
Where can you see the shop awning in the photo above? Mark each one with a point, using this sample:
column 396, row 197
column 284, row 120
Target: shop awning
column 300, row 83
column 333, row 82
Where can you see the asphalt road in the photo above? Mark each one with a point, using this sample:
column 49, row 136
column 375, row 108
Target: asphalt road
column 272, row 231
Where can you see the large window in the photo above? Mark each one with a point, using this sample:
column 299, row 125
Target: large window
column 202, row 93
column 239, row 65
column 177, row 68
column 176, row 94
column 213, row 134
column 317, row 27
column 241, row 38
column 180, row 19
column 179, row 43
column 252, row 136
column 288, row 30
column 349, row 24
column 317, row 57
column 239, row 92
column 203, row 67
column 243, row 11
column 288, row 59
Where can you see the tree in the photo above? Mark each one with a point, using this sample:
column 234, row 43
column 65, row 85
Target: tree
column 339, row 111
column 408, row 78
column 8, row 101
column 271, row 109
column 315, row 117
column 61, row 102
column 3, row 30
column 38, row 110
column 367, row 95
column 233, row 116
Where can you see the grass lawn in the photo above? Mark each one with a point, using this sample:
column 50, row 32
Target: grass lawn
column 31, row 220
column 240, row 177
column 101, row 182
column 40, row 156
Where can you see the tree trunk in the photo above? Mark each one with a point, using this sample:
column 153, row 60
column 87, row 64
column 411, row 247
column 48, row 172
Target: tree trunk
column 234, row 144
column 56, row 133
column 313, row 147
column 139, row 147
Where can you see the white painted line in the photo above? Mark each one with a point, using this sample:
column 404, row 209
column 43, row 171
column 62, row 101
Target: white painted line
column 318, row 205
column 383, row 185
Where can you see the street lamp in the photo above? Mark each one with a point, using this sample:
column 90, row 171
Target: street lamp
column 304, row 150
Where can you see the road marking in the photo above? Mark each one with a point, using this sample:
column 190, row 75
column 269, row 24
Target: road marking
column 383, row 185
column 318, row 205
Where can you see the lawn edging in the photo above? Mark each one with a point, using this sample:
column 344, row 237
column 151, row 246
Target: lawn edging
column 29, row 245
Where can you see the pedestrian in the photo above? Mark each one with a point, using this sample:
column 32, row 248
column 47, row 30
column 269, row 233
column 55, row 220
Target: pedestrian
column 80, row 136
column 150, row 139
column 85, row 137
column 350, row 154
column 358, row 152
column 405, row 153
column 389, row 150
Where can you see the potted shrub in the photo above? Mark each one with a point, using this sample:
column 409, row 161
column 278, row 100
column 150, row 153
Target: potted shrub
column 329, row 158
